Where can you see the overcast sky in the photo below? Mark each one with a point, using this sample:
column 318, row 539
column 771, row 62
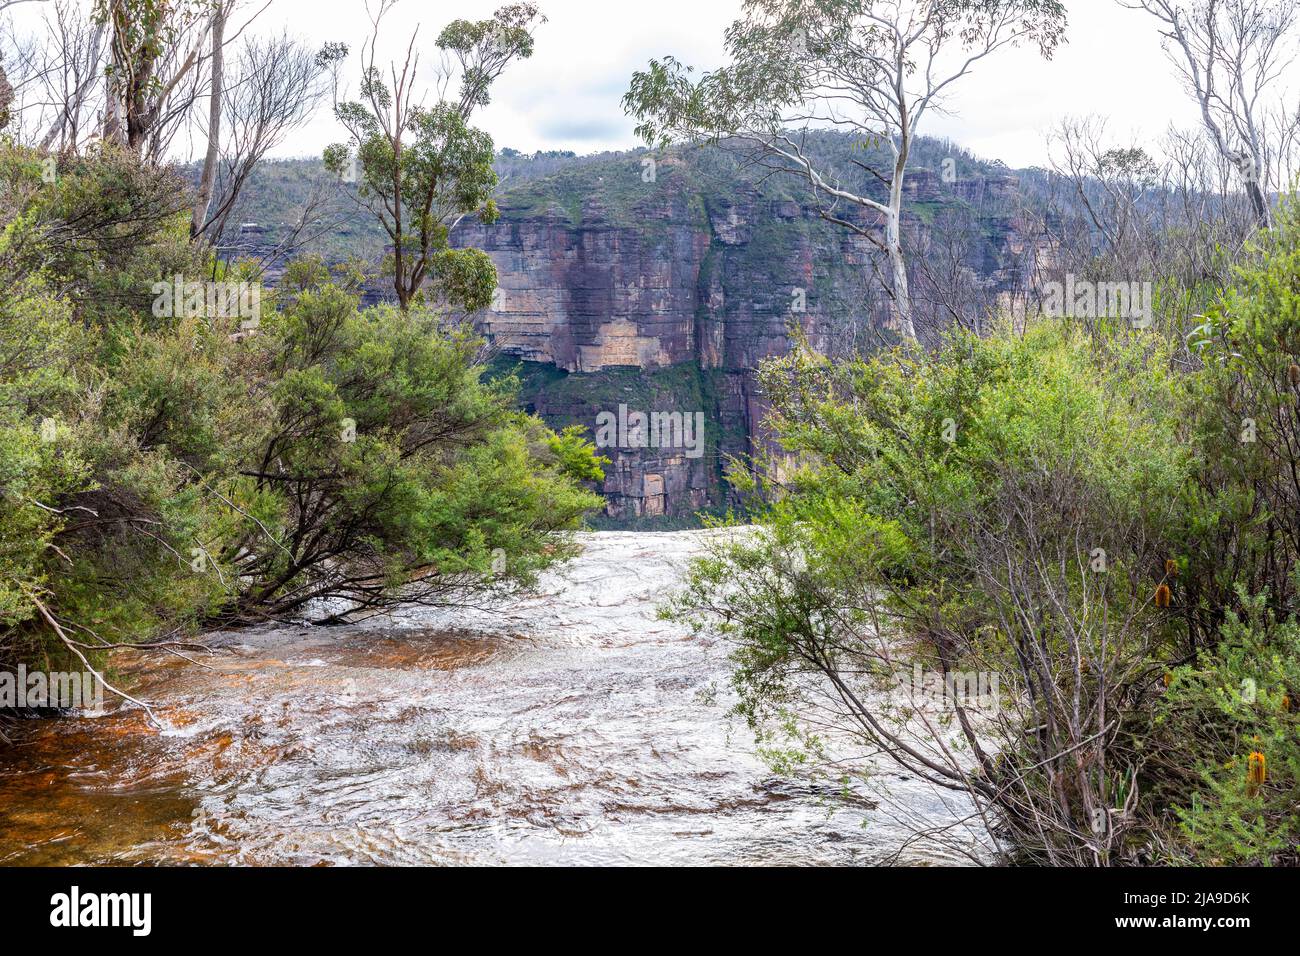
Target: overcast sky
column 567, row 96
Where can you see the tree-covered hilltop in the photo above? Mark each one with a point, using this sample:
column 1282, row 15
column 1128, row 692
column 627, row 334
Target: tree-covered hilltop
column 284, row 195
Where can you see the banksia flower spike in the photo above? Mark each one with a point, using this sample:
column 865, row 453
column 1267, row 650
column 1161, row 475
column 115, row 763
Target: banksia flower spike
column 1286, row 703
column 1169, row 678
column 1256, row 772
column 1163, row 596
column 1171, row 568
column 1293, row 373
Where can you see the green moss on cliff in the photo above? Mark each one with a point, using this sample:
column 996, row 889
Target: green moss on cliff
column 568, row 398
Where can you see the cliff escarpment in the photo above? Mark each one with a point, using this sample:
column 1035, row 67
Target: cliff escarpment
column 634, row 283
column 640, row 283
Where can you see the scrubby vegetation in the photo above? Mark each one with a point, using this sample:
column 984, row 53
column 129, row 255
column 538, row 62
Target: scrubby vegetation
column 1084, row 525
column 183, row 448
column 163, row 471
column 1101, row 521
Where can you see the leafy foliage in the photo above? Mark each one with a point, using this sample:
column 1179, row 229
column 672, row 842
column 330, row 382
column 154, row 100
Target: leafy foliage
column 1071, row 509
column 948, row 510
column 1236, row 699
column 160, row 472
column 420, row 169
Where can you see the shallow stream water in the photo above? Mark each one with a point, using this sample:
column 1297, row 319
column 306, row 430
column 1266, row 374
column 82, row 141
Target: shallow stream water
column 573, row 728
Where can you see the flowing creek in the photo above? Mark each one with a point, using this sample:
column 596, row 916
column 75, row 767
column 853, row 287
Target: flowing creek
column 572, row 728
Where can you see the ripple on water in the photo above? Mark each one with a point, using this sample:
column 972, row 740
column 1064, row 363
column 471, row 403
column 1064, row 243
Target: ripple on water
column 575, row 728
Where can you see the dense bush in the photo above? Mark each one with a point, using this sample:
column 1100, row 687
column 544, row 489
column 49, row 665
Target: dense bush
column 1237, row 699
column 161, row 473
column 998, row 506
column 93, row 521
column 1069, row 510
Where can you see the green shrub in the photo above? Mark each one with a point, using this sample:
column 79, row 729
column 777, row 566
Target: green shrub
column 1236, row 699
column 162, row 473
column 1002, row 506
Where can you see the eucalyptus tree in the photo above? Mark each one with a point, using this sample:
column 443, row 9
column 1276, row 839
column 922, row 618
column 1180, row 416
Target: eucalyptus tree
column 154, row 48
column 163, row 56
column 216, row 89
column 876, row 68
column 1231, row 55
column 421, row 168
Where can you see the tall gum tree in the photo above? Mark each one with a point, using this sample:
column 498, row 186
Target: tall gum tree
column 872, row 67
column 420, row 169
column 1232, row 55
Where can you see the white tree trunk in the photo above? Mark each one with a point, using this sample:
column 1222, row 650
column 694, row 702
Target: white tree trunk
column 902, row 296
column 207, row 181
column 894, row 245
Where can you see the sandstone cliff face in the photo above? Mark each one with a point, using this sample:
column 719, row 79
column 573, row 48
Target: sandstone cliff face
column 664, row 296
